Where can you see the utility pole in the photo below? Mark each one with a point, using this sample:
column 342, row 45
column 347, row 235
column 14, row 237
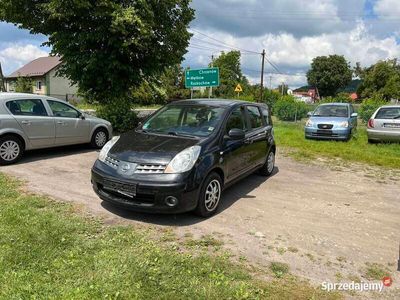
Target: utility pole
column 270, row 82
column 262, row 76
column 283, row 87
column 2, row 81
column 211, row 89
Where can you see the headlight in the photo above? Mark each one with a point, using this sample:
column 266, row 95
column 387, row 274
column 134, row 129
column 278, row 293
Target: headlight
column 107, row 147
column 344, row 124
column 309, row 123
column 184, row 161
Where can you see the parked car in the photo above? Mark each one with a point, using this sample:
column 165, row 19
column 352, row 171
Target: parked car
column 331, row 121
column 184, row 155
column 30, row 122
column 384, row 125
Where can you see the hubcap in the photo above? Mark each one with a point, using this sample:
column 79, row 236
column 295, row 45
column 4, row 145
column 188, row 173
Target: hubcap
column 101, row 139
column 271, row 162
column 213, row 194
column 9, row 150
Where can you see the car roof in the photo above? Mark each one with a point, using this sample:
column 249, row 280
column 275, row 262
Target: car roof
column 390, row 106
column 335, row 103
column 8, row 96
column 216, row 102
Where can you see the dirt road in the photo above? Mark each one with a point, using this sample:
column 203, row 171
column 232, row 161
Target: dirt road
column 325, row 224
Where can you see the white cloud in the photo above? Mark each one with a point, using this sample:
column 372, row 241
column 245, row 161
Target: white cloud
column 14, row 56
column 387, row 8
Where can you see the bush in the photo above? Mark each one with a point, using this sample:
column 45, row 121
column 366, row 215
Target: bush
column 120, row 114
column 339, row 98
column 369, row 106
column 288, row 109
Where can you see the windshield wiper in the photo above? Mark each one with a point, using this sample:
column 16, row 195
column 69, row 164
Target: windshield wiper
column 174, row 133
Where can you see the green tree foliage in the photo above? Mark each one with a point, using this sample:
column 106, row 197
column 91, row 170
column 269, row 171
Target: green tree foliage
column 382, row 78
column 341, row 98
column 230, row 75
column 107, row 46
column 23, row 85
column 329, row 74
column 369, row 106
column 120, row 114
column 287, row 108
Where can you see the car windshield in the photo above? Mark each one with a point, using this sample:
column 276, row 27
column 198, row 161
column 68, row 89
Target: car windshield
column 340, row 111
column 388, row 113
column 185, row 120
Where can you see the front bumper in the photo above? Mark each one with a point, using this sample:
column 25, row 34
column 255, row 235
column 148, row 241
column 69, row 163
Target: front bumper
column 383, row 135
column 151, row 191
column 327, row 134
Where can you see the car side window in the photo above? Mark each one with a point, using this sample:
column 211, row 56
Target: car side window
column 27, row 107
column 63, row 110
column 254, row 117
column 265, row 114
column 236, row 120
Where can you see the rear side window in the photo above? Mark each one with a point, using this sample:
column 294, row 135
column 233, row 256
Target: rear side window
column 27, row 107
column 254, row 117
column 388, row 113
column 236, row 120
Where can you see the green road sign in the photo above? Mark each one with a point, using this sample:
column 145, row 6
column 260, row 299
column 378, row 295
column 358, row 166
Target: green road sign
column 202, row 78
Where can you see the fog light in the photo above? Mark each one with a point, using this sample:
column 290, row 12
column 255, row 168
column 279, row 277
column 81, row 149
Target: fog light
column 171, row 201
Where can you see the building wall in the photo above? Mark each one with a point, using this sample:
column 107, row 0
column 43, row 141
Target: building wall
column 59, row 87
column 10, row 85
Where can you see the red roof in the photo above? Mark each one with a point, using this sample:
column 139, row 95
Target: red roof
column 38, row 67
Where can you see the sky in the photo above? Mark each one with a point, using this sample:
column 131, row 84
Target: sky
column 292, row 32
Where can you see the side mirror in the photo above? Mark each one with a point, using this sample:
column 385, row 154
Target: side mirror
column 354, row 115
column 309, row 114
column 236, row 134
column 82, row 116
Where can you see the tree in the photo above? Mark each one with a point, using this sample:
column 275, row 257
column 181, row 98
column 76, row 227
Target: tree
column 230, row 74
column 329, row 73
column 23, row 85
column 107, row 46
column 382, row 78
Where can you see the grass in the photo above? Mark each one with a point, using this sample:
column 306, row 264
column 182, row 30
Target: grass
column 375, row 271
column 291, row 135
column 279, row 269
column 51, row 250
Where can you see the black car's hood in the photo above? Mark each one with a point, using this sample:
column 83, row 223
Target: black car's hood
column 140, row 147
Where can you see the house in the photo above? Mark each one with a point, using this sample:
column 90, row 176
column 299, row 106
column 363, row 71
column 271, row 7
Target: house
column 43, row 73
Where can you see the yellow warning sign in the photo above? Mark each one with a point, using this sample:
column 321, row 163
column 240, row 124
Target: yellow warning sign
column 238, row 88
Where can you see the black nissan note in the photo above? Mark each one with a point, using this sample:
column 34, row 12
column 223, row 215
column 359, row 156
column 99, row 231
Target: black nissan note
column 184, row 155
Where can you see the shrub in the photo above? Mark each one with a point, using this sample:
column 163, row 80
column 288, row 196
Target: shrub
column 279, row 269
column 369, row 106
column 340, row 98
column 120, row 114
column 288, row 109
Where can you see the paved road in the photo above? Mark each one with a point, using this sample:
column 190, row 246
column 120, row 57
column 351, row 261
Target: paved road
column 323, row 214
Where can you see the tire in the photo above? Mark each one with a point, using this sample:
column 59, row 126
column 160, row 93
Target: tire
column 11, row 149
column 207, row 205
column 99, row 138
column 268, row 168
column 372, row 141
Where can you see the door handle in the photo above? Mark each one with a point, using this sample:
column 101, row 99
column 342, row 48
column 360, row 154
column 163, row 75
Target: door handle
column 26, row 122
column 60, row 122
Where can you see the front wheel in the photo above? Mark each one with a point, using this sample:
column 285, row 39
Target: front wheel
column 269, row 166
column 210, row 196
column 99, row 138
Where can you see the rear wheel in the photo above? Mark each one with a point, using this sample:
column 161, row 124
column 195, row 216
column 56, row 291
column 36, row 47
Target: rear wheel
column 99, row 138
column 11, row 150
column 268, row 168
column 210, row 195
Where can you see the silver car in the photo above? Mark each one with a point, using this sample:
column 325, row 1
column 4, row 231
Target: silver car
column 30, row 122
column 384, row 125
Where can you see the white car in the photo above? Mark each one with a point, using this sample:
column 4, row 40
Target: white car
column 30, row 122
column 384, row 125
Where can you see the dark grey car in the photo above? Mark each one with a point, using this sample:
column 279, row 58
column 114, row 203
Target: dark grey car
column 30, row 122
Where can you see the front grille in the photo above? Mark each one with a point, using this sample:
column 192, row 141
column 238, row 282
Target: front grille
column 150, row 169
column 325, row 126
column 140, row 168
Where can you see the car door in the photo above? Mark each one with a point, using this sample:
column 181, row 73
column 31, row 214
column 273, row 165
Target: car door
column 34, row 120
column 256, row 136
column 236, row 152
column 71, row 128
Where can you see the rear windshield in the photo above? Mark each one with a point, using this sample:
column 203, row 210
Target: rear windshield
column 341, row 111
column 189, row 120
column 388, row 113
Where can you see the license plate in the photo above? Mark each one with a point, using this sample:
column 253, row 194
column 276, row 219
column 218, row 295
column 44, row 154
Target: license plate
column 394, row 125
column 122, row 188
